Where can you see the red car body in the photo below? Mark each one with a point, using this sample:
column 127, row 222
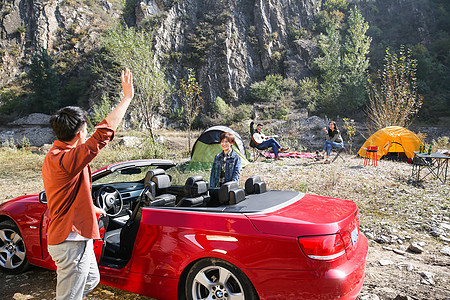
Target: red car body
column 269, row 246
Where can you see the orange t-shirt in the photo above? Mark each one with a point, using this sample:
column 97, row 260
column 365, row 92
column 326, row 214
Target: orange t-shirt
column 68, row 186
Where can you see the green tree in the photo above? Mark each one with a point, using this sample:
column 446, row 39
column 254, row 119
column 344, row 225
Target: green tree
column 191, row 100
column 330, row 67
column 343, row 66
column 393, row 96
column 308, row 91
column 44, row 83
column 130, row 48
column 355, row 61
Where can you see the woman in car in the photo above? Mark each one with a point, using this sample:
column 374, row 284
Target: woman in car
column 227, row 164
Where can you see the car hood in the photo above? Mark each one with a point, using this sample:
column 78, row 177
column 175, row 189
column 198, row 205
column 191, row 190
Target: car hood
column 328, row 215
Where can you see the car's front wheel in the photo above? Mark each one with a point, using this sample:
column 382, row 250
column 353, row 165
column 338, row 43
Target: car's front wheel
column 12, row 250
column 218, row 279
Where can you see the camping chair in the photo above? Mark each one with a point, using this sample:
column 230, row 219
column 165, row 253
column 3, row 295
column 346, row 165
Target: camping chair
column 338, row 154
column 256, row 153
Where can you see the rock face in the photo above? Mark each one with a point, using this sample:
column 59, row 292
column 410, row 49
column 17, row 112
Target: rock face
column 54, row 25
column 230, row 44
column 33, row 129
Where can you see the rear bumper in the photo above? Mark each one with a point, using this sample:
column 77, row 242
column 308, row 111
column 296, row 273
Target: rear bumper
column 336, row 280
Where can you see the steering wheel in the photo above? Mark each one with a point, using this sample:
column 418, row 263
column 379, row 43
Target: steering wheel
column 110, row 200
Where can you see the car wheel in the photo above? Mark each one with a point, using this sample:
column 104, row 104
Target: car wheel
column 218, row 279
column 13, row 257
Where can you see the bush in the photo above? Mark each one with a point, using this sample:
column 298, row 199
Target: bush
column 220, row 106
column 270, row 90
column 442, row 143
column 308, row 91
column 99, row 111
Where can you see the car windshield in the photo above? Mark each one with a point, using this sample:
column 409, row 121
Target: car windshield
column 178, row 174
column 181, row 172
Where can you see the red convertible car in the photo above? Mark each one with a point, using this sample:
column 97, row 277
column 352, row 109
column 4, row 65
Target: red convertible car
column 188, row 241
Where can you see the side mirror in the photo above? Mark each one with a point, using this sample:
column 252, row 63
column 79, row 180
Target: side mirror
column 42, row 197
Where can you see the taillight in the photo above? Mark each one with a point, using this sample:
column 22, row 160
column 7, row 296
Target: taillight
column 347, row 238
column 322, row 247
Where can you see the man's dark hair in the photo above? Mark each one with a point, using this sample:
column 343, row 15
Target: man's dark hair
column 260, row 124
column 227, row 136
column 67, row 122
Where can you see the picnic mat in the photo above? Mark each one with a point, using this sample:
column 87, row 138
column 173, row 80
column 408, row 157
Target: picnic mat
column 291, row 154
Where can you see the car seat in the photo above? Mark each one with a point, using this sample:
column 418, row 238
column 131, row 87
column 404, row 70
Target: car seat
column 196, row 192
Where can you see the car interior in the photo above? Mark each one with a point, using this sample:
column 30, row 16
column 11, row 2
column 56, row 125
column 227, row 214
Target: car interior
column 124, row 201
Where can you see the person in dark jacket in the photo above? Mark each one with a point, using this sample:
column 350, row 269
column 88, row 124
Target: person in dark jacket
column 227, row 164
column 334, row 139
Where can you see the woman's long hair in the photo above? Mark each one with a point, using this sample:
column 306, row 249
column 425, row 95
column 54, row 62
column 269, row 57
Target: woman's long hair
column 335, row 127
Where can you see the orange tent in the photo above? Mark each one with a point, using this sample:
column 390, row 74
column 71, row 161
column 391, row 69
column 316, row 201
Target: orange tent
column 393, row 139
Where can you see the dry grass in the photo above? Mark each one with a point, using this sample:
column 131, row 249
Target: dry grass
column 384, row 194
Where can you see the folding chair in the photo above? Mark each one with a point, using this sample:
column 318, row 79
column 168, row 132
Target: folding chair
column 256, row 153
column 338, row 154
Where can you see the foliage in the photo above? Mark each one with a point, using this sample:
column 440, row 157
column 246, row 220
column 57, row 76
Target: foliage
column 343, row 66
column 10, row 102
column 393, row 96
column 132, row 49
column 442, row 142
column 324, row 20
column 270, row 90
column 99, row 111
column 329, row 65
column 355, row 61
column 308, row 91
column 333, row 5
column 220, row 106
column 44, row 83
column 350, row 127
column 191, row 100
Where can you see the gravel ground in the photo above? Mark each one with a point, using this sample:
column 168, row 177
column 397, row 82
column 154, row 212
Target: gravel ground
column 407, row 224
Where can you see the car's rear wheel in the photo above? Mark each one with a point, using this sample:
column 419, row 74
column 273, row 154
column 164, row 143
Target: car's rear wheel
column 13, row 257
column 218, row 279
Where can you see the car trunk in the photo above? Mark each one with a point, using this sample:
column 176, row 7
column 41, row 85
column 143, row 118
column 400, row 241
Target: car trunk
column 330, row 215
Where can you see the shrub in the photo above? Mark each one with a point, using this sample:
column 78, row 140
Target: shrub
column 220, row 106
column 442, row 142
column 99, row 111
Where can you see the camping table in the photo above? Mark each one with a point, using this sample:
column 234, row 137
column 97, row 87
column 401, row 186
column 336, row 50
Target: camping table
column 435, row 164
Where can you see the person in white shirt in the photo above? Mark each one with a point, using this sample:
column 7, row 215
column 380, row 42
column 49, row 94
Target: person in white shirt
column 261, row 141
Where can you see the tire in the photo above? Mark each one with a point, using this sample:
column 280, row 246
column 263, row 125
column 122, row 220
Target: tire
column 218, row 279
column 13, row 258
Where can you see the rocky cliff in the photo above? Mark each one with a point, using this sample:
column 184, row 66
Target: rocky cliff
column 229, row 43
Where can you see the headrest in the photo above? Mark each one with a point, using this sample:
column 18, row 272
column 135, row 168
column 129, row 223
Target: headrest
column 193, row 201
column 237, row 196
column 260, row 187
column 224, row 192
column 151, row 191
column 250, row 184
column 150, row 174
column 195, row 186
column 162, row 181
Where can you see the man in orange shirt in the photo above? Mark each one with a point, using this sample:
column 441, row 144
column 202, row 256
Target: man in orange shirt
column 67, row 183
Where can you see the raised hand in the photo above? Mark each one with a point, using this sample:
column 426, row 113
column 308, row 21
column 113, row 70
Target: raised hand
column 127, row 84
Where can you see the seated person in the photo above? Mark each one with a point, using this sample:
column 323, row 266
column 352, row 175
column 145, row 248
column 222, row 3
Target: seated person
column 334, row 139
column 261, row 141
column 227, row 164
